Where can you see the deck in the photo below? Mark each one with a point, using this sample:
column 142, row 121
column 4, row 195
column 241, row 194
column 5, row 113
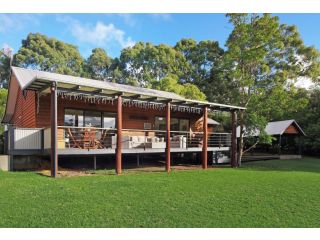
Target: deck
column 102, row 141
column 136, row 151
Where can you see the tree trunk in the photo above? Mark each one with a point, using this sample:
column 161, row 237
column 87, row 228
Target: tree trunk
column 241, row 122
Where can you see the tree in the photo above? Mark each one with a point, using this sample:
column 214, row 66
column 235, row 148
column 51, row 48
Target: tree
column 3, row 101
column 262, row 55
column 49, row 54
column 202, row 57
column 5, row 62
column 98, row 65
column 309, row 119
column 188, row 90
column 144, row 63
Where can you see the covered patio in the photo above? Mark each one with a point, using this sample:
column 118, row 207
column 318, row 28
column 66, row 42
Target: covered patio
column 174, row 130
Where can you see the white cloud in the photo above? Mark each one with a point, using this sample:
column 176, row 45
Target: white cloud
column 128, row 19
column 9, row 22
column 100, row 34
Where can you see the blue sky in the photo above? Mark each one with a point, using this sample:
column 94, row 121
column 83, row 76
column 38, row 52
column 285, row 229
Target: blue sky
column 115, row 31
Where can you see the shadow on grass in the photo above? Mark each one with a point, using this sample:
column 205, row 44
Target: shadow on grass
column 292, row 165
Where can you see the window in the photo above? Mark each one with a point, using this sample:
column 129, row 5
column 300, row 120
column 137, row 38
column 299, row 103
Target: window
column 109, row 120
column 177, row 124
column 86, row 118
column 73, row 117
column 92, row 119
column 184, row 125
column 160, row 123
column 174, row 124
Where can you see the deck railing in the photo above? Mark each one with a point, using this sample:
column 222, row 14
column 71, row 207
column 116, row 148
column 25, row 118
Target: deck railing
column 104, row 138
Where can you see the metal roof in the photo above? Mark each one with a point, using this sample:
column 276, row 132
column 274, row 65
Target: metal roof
column 40, row 81
column 212, row 122
column 276, row 128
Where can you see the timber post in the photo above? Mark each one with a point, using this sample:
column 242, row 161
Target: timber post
column 233, row 139
column 54, row 131
column 168, row 140
column 119, row 136
column 205, row 139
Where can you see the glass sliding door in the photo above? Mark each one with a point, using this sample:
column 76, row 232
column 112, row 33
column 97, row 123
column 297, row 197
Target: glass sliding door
column 109, row 120
column 92, row 119
column 177, row 124
column 73, row 117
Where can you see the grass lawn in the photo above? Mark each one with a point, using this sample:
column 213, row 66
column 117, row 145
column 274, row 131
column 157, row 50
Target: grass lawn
column 278, row 193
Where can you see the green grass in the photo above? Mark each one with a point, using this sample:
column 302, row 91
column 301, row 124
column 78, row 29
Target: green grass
column 278, row 193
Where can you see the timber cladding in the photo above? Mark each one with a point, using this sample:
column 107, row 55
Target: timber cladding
column 25, row 110
column 133, row 117
column 292, row 129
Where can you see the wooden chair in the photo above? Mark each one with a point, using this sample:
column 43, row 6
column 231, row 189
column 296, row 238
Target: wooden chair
column 89, row 138
column 74, row 142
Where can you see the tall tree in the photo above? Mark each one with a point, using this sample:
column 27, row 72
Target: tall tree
column 263, row 54
column 202, row 57
column 5, row 62
column 145, row 63
column 98, row 65
column 49, row 54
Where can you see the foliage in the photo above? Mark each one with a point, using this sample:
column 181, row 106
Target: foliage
column 202, row 57
column 262, row 55
column 49, row 54
column 188, row 90
column 4, row 67
column 263, row 194
column 3, row 101
column 98, row 65
column 309, row 119
column 144, row 63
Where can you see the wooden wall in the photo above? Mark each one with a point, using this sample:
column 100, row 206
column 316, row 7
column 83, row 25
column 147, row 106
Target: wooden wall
column 25, row 110
column 43, row 118
column 292, row 129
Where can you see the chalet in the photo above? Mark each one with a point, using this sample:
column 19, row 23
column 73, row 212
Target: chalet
column 55, row 115
column 287, row 136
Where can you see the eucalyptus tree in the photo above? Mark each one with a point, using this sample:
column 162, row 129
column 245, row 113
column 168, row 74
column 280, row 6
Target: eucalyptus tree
column 98, row 65
column 49, row 54
column 145, row 63
column 203, row 57
column 262, row 55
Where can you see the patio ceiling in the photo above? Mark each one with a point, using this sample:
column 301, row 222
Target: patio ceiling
column 41, row 81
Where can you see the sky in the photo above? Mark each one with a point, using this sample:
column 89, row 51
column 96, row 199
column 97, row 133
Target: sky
column 116, row 31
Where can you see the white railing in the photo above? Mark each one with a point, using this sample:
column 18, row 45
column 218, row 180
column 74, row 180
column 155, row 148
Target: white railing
column 27, row 139
column 104, row 138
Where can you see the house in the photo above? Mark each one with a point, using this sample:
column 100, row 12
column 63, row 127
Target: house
column 287, row 136
column 57, row 115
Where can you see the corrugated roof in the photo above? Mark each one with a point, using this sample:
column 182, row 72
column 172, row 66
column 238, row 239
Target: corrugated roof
column 276, row 128
column 27, row 76
column 33, row 79
column 212, row 122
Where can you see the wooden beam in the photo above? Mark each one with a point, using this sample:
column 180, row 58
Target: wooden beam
column 54, row 124
column 119, row 136
column 76, row 88
column 149, row 99
column 45, row 87
column 136, row 96
column 89, row 93
column 205, row 139
column 233, row 139
column 168, row 140
column 178, row 102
